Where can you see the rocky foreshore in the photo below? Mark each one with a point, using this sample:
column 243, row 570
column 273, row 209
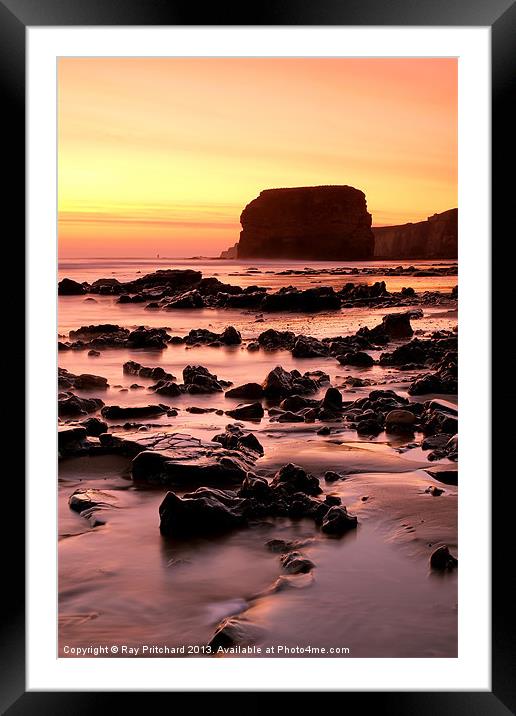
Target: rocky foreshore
column 211, row 445
column 171, row 289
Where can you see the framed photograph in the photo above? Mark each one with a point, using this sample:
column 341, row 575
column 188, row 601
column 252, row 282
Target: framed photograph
column 258, row 397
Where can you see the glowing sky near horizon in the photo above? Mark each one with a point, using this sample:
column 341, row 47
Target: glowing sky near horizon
column 160, row 155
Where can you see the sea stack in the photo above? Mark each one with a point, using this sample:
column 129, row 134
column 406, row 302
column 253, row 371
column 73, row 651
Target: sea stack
column 313, row 222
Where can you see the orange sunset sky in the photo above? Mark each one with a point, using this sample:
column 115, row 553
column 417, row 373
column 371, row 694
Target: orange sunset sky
column 160, row 155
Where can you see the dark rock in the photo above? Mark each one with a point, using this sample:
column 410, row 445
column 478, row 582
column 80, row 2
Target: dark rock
column 182, row 460
column 325, row 430
column 211, row 286
column 442, row 560
column 241, row 300
column 234, row 438
column 101, row 329
column 117, row 412
column 447, row 477
column 189, row 299
column 249, row 411
column 137, row 298
column 433, row 442
column 86, row 381
column 171, row 280
column 322, row 298
column 369, row 426
column 295, row 403
column 198, row 379
column 131, row 367
column 307, row 347
column 331, row 476
column 280, row 546
column 234, row 631
column 272, row 340
column 397, row 325
column 356, row 358
column 337, row 521
column 70, row 405
column 434, row 491
column 82, row 500
column 332, row 399
column 280, row 383
column 256, row 487
column 400, row 421
column 202, row 514
column 290, row 417
column 167, row 387
column 94, row 426
column 293, row 478
column 362, row 294
column 296, row 563
column 231, row 337
column 444, row 380
column 439, row 417
column 68, row 287
column 143, row 337
column 105, row 283
column 248, row 391
column 70, row 437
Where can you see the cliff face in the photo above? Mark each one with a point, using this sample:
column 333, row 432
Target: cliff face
column 435, row 238
column 320, row 222
column 231, row 253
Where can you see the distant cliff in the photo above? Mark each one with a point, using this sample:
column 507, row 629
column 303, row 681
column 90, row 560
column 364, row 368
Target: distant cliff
column 435, row 238
column 318, row 222
column 231, row 253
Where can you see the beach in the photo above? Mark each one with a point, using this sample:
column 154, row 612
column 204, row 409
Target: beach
column 368, row 587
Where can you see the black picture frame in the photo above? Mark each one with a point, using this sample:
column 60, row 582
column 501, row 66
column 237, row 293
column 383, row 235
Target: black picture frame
column 500, row 16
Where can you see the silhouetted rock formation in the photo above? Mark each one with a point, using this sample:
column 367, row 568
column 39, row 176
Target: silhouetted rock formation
column 319, row 222
column 231, row 253
column 435, row 238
